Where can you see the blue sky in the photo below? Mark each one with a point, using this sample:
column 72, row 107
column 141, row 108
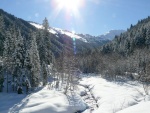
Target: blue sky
column 93, row 17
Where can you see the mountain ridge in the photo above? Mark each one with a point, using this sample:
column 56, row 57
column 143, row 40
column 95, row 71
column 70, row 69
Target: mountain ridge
column 102, row 39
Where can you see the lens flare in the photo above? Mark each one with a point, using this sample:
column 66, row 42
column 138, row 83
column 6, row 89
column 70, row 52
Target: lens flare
column 71, row 12
column 74, row 45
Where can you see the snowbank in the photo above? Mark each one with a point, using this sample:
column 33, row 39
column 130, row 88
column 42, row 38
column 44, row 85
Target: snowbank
column 43, row 101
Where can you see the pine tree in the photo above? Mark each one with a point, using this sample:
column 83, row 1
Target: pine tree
column 44, row 73
column 27, row 62
column 35, row 63
column 41, row 46
column 7, row 59
column 45, row 35
column 27, row 65
column 19, row 51
column 45, row 24
column 44, row 47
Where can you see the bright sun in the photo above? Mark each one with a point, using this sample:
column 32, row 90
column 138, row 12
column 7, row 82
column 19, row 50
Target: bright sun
column 69, row 4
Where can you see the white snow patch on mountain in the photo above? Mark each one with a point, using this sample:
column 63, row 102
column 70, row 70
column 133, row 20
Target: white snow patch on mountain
column 36, row 25
column 40, row 27
column 85, row 38
column 58, row 30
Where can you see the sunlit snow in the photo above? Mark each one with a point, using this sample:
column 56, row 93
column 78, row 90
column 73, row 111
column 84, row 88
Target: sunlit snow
column 58, row 30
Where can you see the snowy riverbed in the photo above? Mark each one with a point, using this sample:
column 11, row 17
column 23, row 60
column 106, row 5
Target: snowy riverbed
column 93, row 95
column 112, row 97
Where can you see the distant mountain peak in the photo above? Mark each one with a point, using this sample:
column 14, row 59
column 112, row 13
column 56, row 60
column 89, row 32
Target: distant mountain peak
column 111, row 34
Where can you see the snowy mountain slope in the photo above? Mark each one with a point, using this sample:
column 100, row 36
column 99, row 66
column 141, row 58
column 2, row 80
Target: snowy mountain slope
column 60, row 31
column 102, row 38
column 94, row 40
column 84, row 37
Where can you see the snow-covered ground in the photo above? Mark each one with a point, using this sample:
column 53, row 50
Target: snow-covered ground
column 142, row 107
column 100, row 95
column 42, row 101
column 112, row 97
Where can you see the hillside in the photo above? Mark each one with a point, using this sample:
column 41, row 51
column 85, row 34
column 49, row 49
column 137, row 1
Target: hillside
column 84, row 43
column 9, row 21
column 126, row 54
column 136, row 37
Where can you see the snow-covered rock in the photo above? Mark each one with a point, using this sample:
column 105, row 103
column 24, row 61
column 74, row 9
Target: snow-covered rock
column 81, row 90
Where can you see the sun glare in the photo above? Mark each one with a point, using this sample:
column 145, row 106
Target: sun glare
column 70, row 9
column 69, row 4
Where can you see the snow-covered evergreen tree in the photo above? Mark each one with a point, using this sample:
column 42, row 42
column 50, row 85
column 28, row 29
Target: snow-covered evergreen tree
column 44, row 47
column 27, row 66
column 45, row 24
column 44, row 73
column 46, row 42
column 27, row 62
column 18, row 54
column 35, row 63
column 7, row 54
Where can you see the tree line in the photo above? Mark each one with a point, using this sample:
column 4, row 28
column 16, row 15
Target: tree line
column 127, row 53
column 31, row 58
